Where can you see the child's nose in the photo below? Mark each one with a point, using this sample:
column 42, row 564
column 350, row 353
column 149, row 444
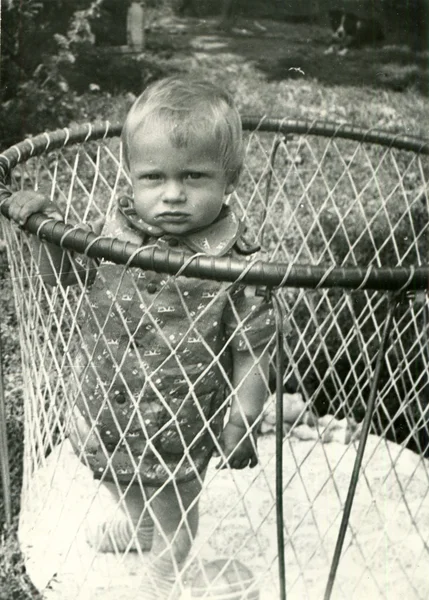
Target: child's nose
column 174, row 191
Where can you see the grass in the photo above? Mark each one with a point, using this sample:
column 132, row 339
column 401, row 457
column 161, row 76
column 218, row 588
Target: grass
column 258, row 89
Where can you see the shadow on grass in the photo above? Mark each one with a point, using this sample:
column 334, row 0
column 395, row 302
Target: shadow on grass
column 389, row 67
column 297, row 51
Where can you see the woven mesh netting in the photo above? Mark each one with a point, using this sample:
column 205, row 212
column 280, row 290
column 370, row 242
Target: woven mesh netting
column 342, row 219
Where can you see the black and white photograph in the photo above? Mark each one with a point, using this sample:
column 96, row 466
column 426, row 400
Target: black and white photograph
column 214, row 299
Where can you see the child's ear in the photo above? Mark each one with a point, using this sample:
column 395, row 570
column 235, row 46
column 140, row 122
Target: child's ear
column 230, row 188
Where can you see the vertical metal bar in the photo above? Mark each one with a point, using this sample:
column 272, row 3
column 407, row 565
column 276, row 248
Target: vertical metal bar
column 280, row 362
column 366, row 424
column 4, row 454
column 280, row 365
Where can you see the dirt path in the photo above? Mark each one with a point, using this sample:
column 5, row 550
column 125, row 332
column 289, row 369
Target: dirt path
column 282, row 50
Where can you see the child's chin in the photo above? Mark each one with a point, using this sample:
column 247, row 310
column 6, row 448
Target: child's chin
column 176, row 228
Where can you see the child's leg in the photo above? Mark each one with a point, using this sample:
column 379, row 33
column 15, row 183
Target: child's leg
column 119, row 520
column 174, row 509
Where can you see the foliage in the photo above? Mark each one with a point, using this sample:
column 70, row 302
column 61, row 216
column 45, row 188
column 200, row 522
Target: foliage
column 113, row 73
column 50, row 59
column 12, row 380
column 40, row 40
column 14, row 583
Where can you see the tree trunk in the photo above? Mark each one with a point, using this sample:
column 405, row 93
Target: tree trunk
column 136, row 26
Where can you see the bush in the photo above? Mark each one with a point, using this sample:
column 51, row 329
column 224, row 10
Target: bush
column 113, row 73
column 46, row 70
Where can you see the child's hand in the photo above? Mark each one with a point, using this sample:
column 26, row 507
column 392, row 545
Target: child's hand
column 238, row 447
column 24, row 204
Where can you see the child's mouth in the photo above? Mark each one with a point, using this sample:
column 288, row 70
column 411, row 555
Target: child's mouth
column 173, row 217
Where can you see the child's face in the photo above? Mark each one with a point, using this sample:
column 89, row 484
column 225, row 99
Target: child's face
column 176, row 189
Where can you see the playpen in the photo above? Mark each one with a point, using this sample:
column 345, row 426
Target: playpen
column 341, row 213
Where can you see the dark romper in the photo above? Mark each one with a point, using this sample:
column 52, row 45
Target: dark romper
column 154, row 362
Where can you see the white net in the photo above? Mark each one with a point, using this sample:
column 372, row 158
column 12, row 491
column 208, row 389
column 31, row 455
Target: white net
column 307, row 200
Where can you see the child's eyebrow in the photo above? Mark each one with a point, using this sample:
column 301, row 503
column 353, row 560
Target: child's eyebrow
column 203, row 168
column 192, row 168
column 148, row 169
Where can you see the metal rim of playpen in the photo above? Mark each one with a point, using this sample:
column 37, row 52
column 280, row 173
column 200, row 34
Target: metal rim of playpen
column 224, row 269
column 271, row 276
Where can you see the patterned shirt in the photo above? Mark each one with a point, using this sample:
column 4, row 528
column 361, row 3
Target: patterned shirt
column 155, row 360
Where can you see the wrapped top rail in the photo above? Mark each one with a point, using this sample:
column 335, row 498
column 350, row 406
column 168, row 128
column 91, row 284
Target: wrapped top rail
column 259, row 273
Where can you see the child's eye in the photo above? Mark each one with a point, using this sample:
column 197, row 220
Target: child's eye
column 150, row 176
column 194, row 175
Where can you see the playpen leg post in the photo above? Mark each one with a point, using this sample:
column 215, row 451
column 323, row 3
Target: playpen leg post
column 4, row 454
column 280, row 317
column 366, row 424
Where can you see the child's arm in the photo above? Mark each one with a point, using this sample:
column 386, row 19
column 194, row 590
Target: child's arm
column 249, row 379
column 54, row 264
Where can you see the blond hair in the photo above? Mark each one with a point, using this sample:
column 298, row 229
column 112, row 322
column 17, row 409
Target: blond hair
column 188, row 109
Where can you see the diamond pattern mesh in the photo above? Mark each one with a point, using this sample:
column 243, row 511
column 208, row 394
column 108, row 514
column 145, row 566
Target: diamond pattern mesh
column 307, row 200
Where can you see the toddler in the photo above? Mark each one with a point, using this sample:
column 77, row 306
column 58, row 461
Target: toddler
column 171, row 369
